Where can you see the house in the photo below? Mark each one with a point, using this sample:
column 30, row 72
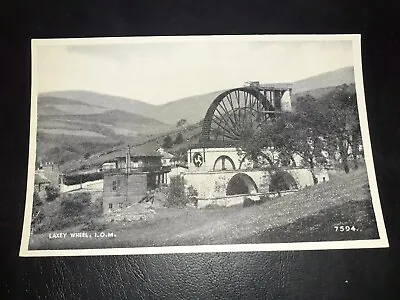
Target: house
column 51, row 171
column 137, row 171
column 322, row 175
column 108, row 166
column 167, row 158
column 41, row 182
column 176, row 170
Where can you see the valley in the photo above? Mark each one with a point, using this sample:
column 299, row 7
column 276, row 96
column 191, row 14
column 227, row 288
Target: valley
column 79, row 128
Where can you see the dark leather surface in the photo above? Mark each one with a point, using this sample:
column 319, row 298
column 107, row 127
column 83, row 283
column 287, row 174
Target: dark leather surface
column 331, row 274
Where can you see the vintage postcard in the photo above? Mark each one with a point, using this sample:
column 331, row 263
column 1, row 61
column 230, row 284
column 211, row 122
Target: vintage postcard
column 199, row 144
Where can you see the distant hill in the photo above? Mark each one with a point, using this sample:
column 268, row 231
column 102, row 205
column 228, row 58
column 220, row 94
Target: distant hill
column 68, row 128
column 121, row 121
column 194, row 108
column 70, row 114
column 108, row 102
column 325, row 80
column 190, row 108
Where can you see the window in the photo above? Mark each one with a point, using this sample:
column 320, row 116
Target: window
column 114, row 185
column 110, row 205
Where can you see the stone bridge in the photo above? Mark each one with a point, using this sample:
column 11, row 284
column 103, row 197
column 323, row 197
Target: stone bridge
column 229, row 186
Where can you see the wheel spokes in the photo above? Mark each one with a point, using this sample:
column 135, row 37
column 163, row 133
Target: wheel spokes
column 238, row 114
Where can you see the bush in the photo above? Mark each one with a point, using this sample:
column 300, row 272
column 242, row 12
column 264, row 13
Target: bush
column 36, row 200
column 192, row 195
column 282, row 181
column 176, row 192
column 248, row 202
column 37, row 214
column 167, row 142
column 52, row 193
column 68, row 211
column 76, row 179
column 74, row 205
column 94, row 226
column 179, row 139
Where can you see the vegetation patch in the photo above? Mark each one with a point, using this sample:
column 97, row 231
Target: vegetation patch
column 180, row 196
column 66, row 211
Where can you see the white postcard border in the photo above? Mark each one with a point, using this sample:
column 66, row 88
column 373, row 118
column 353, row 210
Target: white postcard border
column 382, row 242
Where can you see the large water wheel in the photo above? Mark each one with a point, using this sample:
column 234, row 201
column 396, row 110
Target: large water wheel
column 235, row 114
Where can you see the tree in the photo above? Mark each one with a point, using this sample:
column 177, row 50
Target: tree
column 37, row 213
column 179, row 139
column 181, row 123
column 176, row 192
column 167, row 142
column 328, row 124
column 341, row 123
column 287, row 134
column 52, row 193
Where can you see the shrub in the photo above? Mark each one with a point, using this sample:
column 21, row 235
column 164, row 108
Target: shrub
column 176, row 192
column 36, row 200
column 76, row 179
column 179, row 139
column 282, row 181
column 192, row 195
column 37, row 214
column 94, row 226
column 248, row 202
column 167, row 142
column 74, row 205
column 52, row 193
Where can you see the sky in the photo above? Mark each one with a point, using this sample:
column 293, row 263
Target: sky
column 157, row 72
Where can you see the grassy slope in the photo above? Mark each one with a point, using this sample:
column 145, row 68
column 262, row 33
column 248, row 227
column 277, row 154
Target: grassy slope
column 309, row 215
column 67, row 131
column 192, row 109
column 96, row 99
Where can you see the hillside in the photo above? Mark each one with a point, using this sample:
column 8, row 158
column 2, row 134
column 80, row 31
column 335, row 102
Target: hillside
column 191, row 108
column 48, row 105
column 69, row 129
column 109, row 102
column 65, row 113
column 325, row 80
column 190, row 133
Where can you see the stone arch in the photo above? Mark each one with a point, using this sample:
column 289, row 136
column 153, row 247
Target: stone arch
column 223, row 159
column 247, row 160
column 241, row 184
column 282, row 181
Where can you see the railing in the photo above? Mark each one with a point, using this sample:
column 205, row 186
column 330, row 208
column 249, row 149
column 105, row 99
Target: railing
column 146, row 169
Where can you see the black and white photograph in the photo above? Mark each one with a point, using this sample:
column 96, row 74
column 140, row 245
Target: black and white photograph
column 147, row 145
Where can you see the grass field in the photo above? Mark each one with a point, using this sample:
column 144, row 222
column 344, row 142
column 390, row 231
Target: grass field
column 309, row 215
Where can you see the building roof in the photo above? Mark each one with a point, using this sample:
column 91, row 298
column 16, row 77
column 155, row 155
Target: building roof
column 136, row 152
column 276, row 86
column 167, row 155
column 40, row 178
column 270, row 86
column 97, row 160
